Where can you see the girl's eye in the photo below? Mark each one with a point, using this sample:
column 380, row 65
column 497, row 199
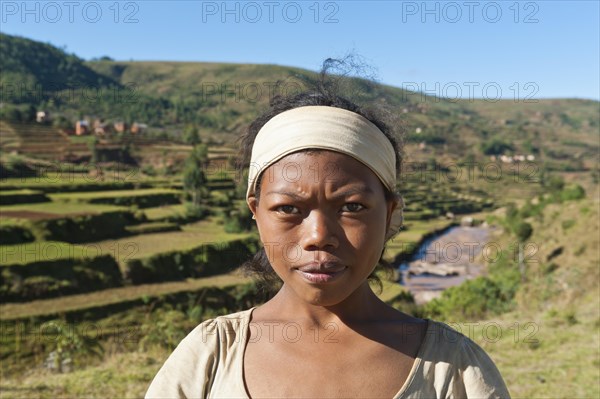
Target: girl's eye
column 353, row 206
column 287, row 209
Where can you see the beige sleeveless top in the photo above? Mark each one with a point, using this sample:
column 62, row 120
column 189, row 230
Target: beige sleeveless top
column 208, row 363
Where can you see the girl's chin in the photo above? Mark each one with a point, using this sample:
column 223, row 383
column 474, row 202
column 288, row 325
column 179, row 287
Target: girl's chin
column 322, row 296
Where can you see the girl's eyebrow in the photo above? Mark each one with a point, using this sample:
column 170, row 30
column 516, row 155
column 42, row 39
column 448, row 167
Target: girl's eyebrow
column 354, row 190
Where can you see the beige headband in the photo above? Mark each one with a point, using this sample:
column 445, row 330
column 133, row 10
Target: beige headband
column 329, row 128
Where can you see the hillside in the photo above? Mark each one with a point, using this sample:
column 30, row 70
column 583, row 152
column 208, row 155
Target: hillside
column 556, row 319
column 35, row 64
column 221, row 99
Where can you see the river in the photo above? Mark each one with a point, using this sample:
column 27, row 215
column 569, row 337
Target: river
column 445, row 260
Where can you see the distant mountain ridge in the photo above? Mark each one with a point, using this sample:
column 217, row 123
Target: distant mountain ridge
column 25, row 61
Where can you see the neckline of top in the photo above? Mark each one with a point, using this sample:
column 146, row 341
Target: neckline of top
column 425, row 343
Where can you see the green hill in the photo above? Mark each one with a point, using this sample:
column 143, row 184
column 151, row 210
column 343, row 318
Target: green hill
column 221, row 99
column 35, row 64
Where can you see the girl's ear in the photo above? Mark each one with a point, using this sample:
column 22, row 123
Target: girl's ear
column 391, row 206
column 252, row 204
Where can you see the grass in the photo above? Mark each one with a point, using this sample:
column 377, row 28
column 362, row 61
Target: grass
column 143, row 245
column 120, row 375
column 122, row 249
column 82, row 139
column 80, row 302
column 113, row 295
column 162, row 212
column 541, row 357
column 62, row 208
column 44, row 251
column 55, row 178
column 521, row 347
column 82, row 196
column 12, row 192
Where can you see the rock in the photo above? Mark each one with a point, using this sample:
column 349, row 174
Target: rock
column 441, row 269
column 53, row 364
column 427, row 296
column 466, row 221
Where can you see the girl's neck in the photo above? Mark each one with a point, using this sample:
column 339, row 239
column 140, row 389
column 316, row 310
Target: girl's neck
column 362, row 306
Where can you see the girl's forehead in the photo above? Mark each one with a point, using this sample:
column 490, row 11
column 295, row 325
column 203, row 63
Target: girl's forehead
column 324, row 167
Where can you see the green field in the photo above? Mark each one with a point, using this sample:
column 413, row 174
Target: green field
column 110, row 194
column 61, row 208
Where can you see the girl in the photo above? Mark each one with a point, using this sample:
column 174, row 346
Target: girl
column 322, row 189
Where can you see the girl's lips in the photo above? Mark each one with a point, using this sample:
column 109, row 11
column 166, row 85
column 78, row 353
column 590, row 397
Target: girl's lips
column 321, row 277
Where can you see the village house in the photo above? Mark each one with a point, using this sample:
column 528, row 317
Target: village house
column 515, row 158
column 120, row 127
column 42, row 116
column 138, row 128
column 101, row 128
column 82, row 127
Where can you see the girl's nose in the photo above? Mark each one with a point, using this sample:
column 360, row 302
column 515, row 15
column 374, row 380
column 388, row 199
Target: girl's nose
column 320, row 231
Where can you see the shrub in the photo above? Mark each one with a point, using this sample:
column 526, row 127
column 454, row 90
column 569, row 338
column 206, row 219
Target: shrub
column 471, row 300
column 477, row 298
column 158, row 227
column 22, row 197
column 572, row 193
column 86, row 228
column 554, row 183
column 205, row 260
column 45, row 279
column 68, row 344
column 238, row 219
column 496, row 146
column 11, row 234
column 141, row 201
column 195, row 212
column 567, row 224
column 165, row 329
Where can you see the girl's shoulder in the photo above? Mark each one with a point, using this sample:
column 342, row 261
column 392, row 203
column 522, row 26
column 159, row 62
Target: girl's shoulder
column 443, row 343
column 452, row 359
column 190, row 368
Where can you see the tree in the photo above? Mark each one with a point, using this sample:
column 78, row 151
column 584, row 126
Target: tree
column 239, row 218
column 62, row 123
column 10, row 113
column 92, row 145
column 523, row 231
column 200, row 154
column 496, row 146
column 191, row 135
column 194, row 179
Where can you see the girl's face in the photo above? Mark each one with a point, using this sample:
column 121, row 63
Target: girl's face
column 326, row 208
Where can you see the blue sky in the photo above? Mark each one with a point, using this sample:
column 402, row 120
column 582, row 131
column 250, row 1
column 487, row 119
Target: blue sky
column 479, row 49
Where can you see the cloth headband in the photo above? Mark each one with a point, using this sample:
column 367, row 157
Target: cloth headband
column 328, row 128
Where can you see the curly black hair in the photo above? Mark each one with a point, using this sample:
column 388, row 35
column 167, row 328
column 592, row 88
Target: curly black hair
column 326, row 90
